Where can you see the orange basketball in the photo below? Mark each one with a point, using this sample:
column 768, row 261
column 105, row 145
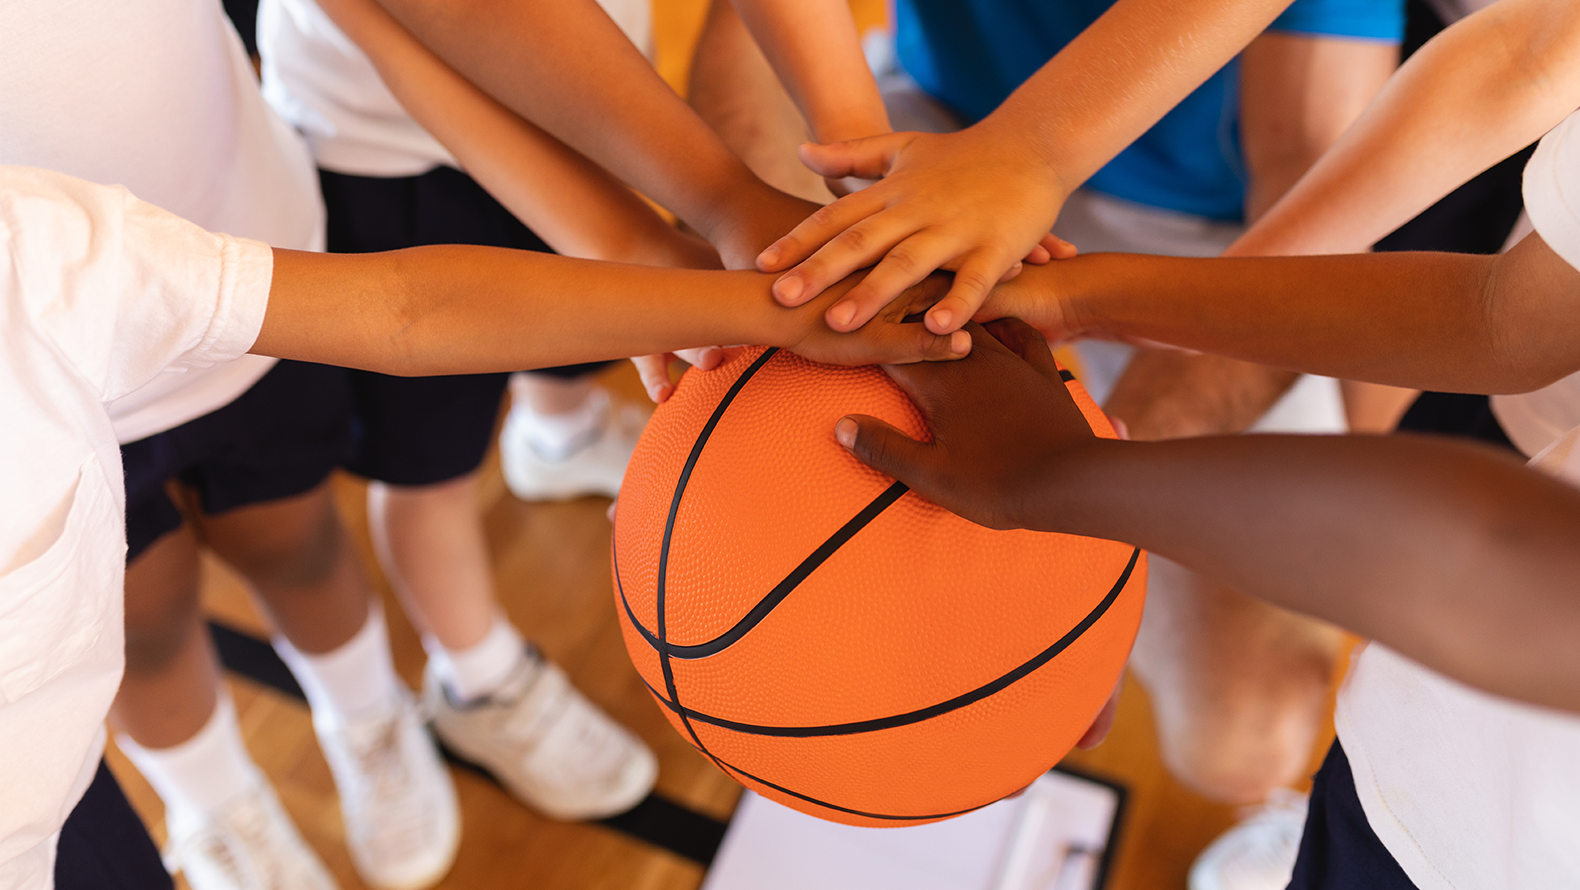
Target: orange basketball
column 839, row 644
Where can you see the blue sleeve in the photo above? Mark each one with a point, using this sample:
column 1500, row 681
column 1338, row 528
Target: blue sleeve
column 1366, row 19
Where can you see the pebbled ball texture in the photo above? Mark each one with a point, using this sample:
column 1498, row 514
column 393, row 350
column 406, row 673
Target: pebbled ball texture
column 925, row 667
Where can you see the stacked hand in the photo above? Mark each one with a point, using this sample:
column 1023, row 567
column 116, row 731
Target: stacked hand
column 974, row 202
column 1000, row 419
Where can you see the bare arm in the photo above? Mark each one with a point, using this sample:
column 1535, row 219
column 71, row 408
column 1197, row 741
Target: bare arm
column 1447, row 322
column 1448, row 552
column 980, row 200
column 1481, row 90
column 814, row 47
column 566, row 67
column 462, row 310
column 1297, row 94
column 578, row 208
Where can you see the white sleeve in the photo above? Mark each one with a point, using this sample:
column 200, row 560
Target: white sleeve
column 126, row 290
column 1552, row 189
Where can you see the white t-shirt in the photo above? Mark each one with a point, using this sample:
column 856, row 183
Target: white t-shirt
column 158, row 96
column 318, row 79
column 99, row 293
column 1465, row 789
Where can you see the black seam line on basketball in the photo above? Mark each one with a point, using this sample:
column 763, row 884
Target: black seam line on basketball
column 669, row 530
column 784, row 588
column 991, row 688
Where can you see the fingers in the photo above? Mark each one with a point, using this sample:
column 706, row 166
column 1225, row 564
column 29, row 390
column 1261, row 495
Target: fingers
column 906, row 265
column 1104, row 721
column 1057, row 247
column 868, row 158
column 1028, row 343
column 884, row 448
column 814, row 234
column 654, row 371
column 974, row 280
column 705, row 358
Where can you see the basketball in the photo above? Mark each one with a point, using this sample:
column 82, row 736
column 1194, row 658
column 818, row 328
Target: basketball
column 835, row 642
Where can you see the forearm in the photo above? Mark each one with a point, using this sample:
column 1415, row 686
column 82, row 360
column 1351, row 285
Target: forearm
column 1446, row 322
column 1298, row 94
column 462, row 310
column 814, row 47
column 1120, row 76
column 575, row 206
column 1486, row 87
column 1165, row 394
column 1404, row 540
column 566, row 67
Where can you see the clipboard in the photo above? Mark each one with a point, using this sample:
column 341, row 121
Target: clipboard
column 1059, row 835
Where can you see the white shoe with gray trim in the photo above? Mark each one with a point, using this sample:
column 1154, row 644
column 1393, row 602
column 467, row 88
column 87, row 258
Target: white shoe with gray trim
column 546, row 743
column 403, row 824
column 248, row 843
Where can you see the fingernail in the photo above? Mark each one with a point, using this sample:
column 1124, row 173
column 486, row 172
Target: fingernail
column 845, row 432
column 768, row 257
column 841, row 315
column 940, row 319
column 960, row 343
column 788, row 290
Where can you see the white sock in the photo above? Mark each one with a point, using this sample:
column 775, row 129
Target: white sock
column 354, row 680
column 558, row 436
column 202, row 772
column 479, row 669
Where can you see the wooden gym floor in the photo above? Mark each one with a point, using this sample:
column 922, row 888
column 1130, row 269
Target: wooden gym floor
column 551, row 566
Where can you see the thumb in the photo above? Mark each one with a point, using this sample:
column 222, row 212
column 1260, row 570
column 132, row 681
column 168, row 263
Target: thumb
column 884, row 448
column 868, row 158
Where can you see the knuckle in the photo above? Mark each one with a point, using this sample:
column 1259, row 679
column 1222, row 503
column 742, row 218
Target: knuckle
column 855, row 239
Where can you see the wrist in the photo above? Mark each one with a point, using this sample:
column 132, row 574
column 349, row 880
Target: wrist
column 847, row 123
column 1067, row 495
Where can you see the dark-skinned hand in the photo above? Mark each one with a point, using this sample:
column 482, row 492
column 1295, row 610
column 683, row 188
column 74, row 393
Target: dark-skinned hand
column 1000, row 419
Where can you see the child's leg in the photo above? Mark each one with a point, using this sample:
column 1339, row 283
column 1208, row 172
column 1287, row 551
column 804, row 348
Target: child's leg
column 422, row 440
column 178, row 727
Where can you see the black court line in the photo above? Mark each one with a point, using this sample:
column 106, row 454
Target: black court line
column 657, row 820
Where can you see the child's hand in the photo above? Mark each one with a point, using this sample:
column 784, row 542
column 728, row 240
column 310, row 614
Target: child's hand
column 973, row 202
column 755, row 221
column 895, row 337
column 1000, row 420
column 1043, row 297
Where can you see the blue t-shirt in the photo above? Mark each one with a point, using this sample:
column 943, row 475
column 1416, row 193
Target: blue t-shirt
column 971, row 54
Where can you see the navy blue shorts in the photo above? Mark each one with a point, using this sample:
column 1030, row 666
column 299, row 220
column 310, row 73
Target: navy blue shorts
column 104, row 846
column 1339, row 850
column 279, row 439
column 423, row 430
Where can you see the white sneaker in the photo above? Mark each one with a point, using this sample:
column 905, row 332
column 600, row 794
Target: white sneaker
column 546, row 743
column 249, row 843
column 594, row 466
column 1258, row 853
column 403, row 825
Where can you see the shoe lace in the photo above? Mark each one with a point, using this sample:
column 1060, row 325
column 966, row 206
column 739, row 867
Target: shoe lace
column 381, row 760
column 225, row 844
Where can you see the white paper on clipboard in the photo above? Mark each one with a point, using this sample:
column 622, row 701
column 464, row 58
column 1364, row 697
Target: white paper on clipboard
column 1053, row 837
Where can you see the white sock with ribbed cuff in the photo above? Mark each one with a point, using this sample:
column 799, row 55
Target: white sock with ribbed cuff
column 354, row 680
column 203, row 772
column 479, row 669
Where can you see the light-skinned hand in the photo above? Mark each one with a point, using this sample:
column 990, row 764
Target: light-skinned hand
column 975, row 202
